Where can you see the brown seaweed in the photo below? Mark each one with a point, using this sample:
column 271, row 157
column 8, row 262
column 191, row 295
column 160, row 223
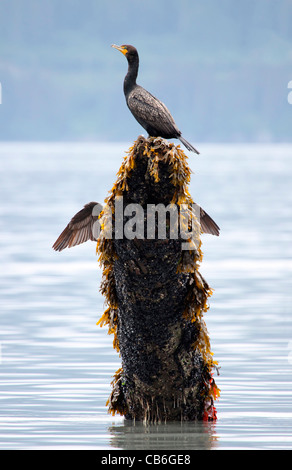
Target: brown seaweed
column 155, row 296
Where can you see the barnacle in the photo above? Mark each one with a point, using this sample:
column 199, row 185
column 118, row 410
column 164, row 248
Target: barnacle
column 160, row 154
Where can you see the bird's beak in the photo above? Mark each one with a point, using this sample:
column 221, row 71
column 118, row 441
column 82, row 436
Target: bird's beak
column 122, row 49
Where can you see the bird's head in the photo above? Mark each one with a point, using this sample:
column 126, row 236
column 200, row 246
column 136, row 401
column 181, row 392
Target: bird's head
column 129, row 51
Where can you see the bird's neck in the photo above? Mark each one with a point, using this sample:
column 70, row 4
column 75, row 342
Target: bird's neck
column 130, row 78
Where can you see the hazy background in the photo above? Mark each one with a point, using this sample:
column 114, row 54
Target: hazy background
column 222, row 68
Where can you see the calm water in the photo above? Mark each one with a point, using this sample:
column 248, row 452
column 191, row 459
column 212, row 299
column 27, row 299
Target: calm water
column 56, row 364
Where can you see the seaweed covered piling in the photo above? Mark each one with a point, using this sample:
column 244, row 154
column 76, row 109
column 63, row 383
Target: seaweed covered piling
column 154, row 292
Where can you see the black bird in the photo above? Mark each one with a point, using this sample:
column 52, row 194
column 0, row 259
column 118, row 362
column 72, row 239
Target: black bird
column 149, row 111
column 81, row 227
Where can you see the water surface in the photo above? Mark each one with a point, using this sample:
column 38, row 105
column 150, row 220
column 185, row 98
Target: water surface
column 57, row 365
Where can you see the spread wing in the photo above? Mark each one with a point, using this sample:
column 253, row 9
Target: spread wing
column 80, row 227
column 207, row 224
column 151, row 113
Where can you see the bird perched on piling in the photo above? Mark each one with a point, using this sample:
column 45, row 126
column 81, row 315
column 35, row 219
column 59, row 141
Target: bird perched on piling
column 149, row 111
column 83, row 227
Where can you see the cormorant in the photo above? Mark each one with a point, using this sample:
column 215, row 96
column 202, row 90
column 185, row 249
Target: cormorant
column 149, row 111
column 81, row 227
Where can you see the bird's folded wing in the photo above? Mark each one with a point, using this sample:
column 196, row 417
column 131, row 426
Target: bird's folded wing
column 80, row 227
column 150, row 109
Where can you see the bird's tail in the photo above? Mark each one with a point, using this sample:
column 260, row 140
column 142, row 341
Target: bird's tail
column 188, row 145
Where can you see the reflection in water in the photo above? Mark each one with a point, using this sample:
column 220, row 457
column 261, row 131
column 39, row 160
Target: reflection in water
column 130, row 435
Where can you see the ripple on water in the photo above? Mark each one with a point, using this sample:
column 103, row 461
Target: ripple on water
column 57, row 365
